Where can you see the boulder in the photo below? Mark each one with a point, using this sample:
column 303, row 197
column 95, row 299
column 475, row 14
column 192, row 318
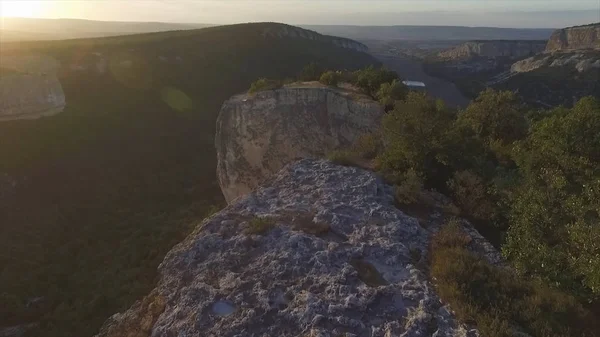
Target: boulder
column 257, row 134
column 318, row 250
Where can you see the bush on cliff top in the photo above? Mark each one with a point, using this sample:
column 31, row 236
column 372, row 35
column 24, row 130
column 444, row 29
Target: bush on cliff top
column 264, row 84
column 330, row 78
column 537, row 180
column 497, row 300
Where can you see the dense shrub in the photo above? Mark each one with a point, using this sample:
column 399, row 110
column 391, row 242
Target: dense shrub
column 536, row 179
column 342, row 157
column 496, row 116
column 264, row 84
column 370, row 79
column 368, row 146
column 413, row 133
column 471, row 194
column 497, row 300
column 389, row 93
column 555, row 210
column 409, row 188
column 330, row 78
column 260, row 226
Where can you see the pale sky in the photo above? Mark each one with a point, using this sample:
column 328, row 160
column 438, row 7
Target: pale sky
column 498, row 13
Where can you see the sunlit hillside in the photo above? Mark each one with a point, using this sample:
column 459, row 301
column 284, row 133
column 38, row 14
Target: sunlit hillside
column 105, row 188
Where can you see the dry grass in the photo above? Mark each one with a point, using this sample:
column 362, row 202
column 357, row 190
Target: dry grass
column 368, row 273
column 496, row 299
column 305, row 223
column 260, row 226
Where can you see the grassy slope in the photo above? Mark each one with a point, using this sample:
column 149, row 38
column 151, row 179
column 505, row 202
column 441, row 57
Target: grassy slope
column 110, row 185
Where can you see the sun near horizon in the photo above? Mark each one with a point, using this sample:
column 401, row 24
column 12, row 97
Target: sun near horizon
column 24, row 9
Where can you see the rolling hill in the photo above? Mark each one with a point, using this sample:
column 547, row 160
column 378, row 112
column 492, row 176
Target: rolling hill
column 91, row 199
column 56, row 29
column 24, row 29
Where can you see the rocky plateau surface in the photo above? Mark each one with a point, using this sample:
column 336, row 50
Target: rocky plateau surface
column 258, row 134
column 317, row 250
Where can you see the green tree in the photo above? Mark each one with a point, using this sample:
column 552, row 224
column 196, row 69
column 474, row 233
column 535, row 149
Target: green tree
column 389, row 93
column 330, row 78
column 370, row 79
column 414, row 133
column 496, row 116
column 263, row 84
column 555, row 223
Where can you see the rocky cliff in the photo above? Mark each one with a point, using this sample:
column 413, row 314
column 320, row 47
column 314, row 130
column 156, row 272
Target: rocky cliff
column 30, row 96
column 492, row 49
column 257, row 134
column 582, row 61
column 281, row 31
column 575, row 38
column 318, row 250
column 29, row 87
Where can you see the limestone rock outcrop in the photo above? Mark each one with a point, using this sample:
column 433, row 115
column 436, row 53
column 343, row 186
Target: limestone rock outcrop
column 575, row 38
column 579, row 60
column 318, row 250
column 29, row 87
column 257, row 134
column 281, row 31
column 492, row 49
column 26, row 96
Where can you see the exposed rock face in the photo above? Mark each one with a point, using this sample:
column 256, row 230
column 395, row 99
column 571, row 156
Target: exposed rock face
column 31, row 89
column 581, row 61
column 509, row 49
column 281, row 31
column 30, row 96
column 337, row 258
column 258, row 134
column 575, row 38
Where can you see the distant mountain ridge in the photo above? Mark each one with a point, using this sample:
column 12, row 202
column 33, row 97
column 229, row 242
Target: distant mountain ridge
column 432, row 32
column 58, row 29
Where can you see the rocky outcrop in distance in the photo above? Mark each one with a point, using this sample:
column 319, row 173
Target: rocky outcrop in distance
column 258, row 134
column 580, row 61
column 318, row 250
column 493, row 49
column 28, row 96
column 29, row 88
column 575, row 38
column 281, row 31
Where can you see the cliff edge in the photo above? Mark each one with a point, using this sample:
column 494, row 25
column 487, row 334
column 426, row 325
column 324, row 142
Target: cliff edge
column 575, row 38
column 500, row 48
column 29, row 88
column 258, row 134
column 318, row 250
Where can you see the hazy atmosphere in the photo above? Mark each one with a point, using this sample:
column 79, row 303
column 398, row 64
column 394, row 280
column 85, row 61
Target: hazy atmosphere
column 287, row 168
column 497, row 13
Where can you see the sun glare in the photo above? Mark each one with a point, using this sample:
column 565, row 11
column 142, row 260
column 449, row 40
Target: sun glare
column 22, row 8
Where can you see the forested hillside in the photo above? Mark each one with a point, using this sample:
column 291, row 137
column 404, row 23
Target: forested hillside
column 91, row 199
